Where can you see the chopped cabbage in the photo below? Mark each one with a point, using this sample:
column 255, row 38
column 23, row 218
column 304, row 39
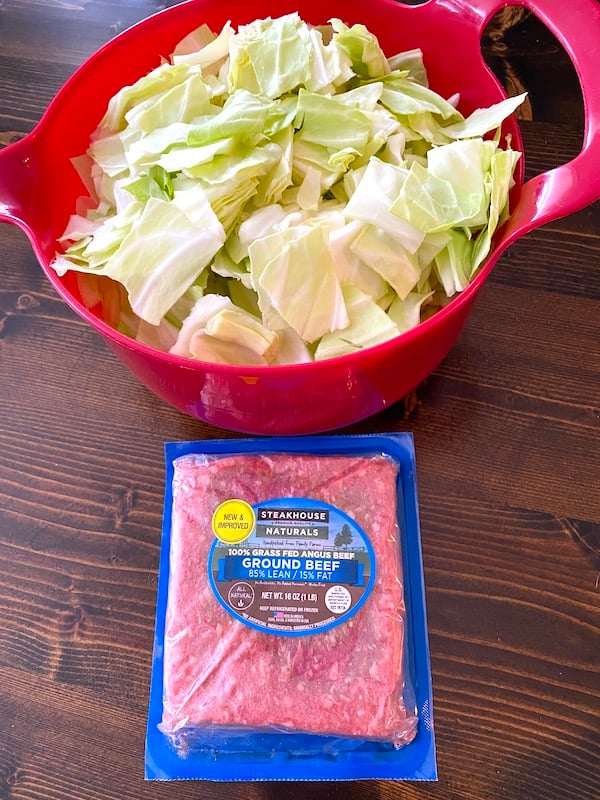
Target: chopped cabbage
column 284, row 193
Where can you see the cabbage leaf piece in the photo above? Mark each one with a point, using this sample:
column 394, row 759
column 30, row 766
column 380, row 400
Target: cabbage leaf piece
column 218, row 331
column 368, row 325
column 293, row 272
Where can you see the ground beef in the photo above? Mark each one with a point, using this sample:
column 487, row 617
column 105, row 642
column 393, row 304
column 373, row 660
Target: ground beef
column 346, row 681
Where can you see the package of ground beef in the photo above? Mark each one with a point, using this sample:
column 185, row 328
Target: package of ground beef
column 290, row 638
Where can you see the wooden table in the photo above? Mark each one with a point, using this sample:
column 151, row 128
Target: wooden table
column 506, row 432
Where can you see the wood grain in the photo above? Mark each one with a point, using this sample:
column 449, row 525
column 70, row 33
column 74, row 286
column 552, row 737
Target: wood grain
column 507, row 438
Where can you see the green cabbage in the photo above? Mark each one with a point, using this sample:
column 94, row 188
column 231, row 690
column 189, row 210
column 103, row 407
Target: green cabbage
column 283, row 193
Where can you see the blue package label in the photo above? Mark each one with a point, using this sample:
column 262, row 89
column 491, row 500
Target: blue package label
column 289, row 566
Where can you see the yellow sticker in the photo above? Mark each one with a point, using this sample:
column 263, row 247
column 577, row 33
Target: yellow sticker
column 233, row 521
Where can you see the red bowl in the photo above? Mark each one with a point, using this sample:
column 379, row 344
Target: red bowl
column 39, row 188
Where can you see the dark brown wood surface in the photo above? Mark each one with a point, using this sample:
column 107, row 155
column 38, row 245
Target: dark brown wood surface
column 507, row 435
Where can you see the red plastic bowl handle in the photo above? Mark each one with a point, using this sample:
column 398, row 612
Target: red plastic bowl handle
column 18, row 183
column 15, row 181
column 576, row 184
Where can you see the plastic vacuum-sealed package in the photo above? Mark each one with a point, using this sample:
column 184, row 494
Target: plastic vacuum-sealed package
column 291, row 638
